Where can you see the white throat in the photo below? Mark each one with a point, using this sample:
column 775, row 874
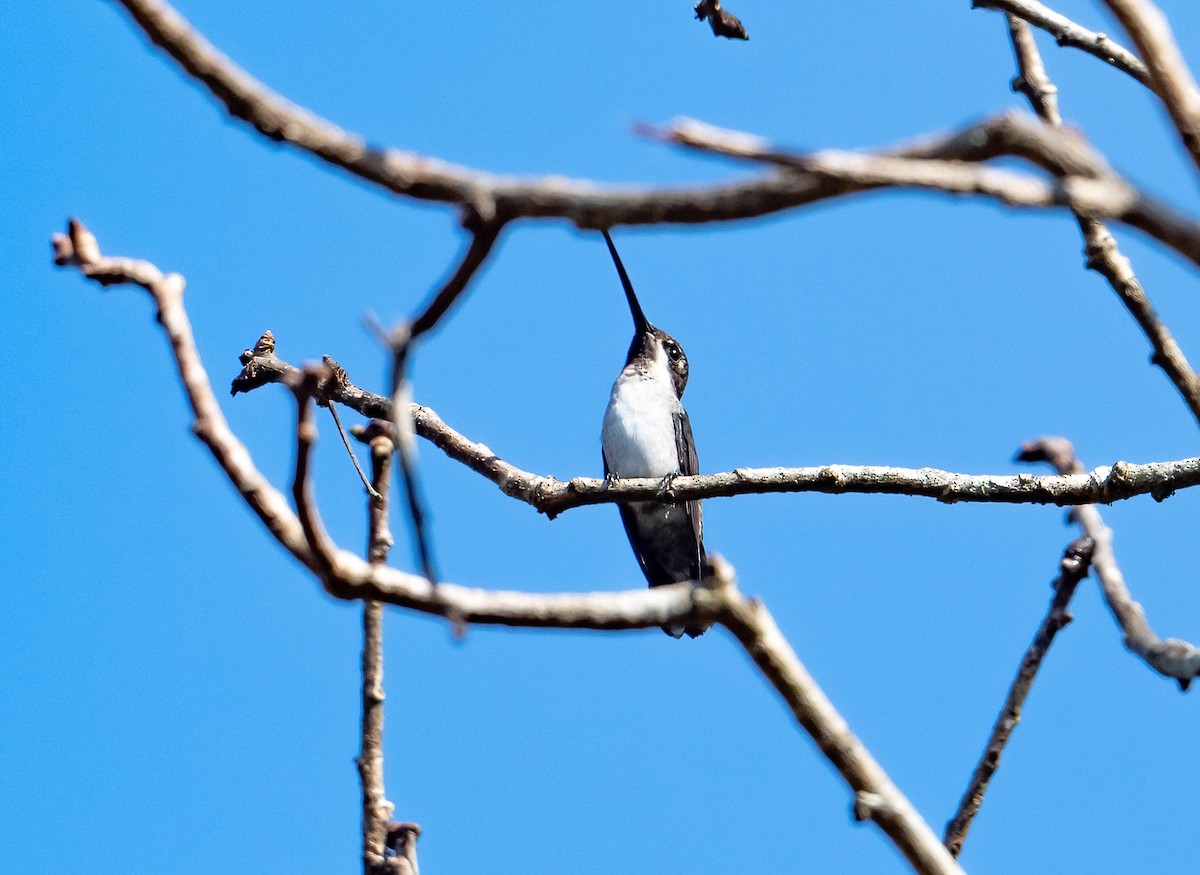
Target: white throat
column 638, row 437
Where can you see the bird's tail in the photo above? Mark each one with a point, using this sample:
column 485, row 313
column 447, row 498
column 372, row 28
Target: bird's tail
column 694, row 631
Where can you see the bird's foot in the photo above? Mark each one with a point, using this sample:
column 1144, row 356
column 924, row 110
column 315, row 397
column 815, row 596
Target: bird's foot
column 665, row 486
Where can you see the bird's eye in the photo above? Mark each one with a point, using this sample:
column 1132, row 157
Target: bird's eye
column 673, row 353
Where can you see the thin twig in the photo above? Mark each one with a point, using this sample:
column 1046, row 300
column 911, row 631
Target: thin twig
column 484, row 232
column 1009, row 134
column 1150, row 32
column 1169, row 657
column 1031, row 79
column 1073, row 568
column 350, row 450
column 948, row 164
column 1068, row 33
column 406, row 456
column 417, row 176
column 377, row 810
column 322, row 548
column 407, row 463
column 1100, row 247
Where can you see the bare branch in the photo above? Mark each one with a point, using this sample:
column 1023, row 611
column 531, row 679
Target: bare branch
column 1105, row 258
column 337, row 421
column 1100, row 247
column 261, row 366
column 1063, row 153
column 591, row 206
column 876, row 797
column 377, row 810
column 78, row 249
column 406, row 455
column 407, row 462
column 948, row 164
column 1150, row 32
column 552, row 496
column 1073, row 568
column 402, row 842
column 483, row 238
column 1068, row 33
column 1031, row 79
column 412, row 175
column 1170, row 657
column 377, row 435
column 400, row 342
column 319, row 543
column 348, row 576
column 345, row 575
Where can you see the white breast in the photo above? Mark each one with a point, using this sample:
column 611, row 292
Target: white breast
column 638, row 437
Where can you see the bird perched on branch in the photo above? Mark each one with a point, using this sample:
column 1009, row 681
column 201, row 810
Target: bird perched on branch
column 647, row 433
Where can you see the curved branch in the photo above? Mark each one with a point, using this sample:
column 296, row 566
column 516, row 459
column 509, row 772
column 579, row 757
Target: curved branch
column 417, row 176
column 949, row 164
column 591, row 206
column 1173, row 81
column 1068, row 33
column 348, row 576
column 876, row 797
column 78, row 248
column 483, row 238
column 352, row 577
column 1169, row 657
column 1100, row 247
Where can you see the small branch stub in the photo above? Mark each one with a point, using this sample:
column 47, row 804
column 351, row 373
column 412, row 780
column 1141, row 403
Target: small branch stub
column 722, row 21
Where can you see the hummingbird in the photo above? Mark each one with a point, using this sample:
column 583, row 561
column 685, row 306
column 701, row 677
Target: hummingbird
column 647, row 433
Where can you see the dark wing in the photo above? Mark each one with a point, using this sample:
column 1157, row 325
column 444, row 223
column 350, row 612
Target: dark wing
column 654, row 576
column 689, row 464
column 645, row 518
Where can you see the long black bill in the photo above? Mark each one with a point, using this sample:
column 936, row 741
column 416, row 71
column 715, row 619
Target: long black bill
column 640, row 323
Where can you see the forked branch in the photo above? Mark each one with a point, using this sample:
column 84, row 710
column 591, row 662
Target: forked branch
column 1069, row 33
column 1169, row 657
column 1173, row 80
column 588, row 205
column 1100, row 247
column 347, row 576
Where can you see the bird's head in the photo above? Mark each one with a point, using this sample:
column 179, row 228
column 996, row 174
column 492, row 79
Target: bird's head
column 650, row 345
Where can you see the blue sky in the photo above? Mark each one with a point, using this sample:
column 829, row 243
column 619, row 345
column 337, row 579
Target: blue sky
column 176, row 686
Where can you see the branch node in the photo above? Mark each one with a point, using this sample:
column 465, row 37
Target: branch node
column 869, row 806
column 402, row 844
